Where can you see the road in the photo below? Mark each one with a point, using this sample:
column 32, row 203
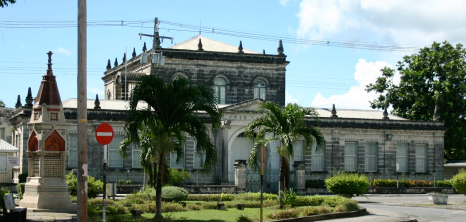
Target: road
column 390, row 208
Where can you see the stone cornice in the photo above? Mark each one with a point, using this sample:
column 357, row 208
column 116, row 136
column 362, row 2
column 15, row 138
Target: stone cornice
column 376, row 124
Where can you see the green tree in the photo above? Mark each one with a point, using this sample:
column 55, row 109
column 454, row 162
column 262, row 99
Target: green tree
column 432, row 82
column 2, row 104
column 4, row 3
column 159, row 127
column 286, row 125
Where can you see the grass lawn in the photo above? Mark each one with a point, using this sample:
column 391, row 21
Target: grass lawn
column 231, row 214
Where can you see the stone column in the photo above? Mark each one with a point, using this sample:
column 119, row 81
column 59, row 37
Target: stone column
column 240, row 175
column 300, row 176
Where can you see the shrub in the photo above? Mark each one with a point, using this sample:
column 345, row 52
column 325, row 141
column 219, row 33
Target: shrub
column 3, row 191
column 20, row 187
column 177, row 177
column 243, row 218
column 193, row 207
column 256, row 196
column 283, row 214
column 94, row 186
column 442, row 183
column 347, row 184
column 384, row 183
column 22, row 177
column 459, row 182
column 309, row 201
column 289, row 197
column 123, row 181
column 347, row 206
column 148, row 207
column 172, row 207
column 117, row 208
column 209, row 205
column 316, row 210
column 174, row 194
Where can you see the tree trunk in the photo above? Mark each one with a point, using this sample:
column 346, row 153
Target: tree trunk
column 158, row 190
column 151, row 175
column 286, row 173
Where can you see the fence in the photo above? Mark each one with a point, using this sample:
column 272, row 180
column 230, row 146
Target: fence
column 6, row 176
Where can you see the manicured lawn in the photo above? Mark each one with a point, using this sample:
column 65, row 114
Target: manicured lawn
column 231, row 214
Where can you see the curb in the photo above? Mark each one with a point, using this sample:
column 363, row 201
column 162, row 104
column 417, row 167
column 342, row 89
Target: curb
column 357, row 213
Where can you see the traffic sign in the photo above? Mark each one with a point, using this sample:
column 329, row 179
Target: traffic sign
column 104, row 133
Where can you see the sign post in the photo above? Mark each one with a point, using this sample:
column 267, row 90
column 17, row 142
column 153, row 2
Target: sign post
column 104, row 135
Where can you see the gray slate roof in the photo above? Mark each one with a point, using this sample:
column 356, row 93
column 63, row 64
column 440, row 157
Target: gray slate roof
column 6, row 147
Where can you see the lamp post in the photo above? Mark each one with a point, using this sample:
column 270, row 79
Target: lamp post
column 262, row 180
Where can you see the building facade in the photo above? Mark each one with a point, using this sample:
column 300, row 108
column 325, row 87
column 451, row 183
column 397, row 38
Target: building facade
column 371, row 142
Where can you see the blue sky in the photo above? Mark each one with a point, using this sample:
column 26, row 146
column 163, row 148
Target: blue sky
column 327, row 70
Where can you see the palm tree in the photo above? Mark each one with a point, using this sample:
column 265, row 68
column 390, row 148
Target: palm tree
column 173, row 111
column 286, row 125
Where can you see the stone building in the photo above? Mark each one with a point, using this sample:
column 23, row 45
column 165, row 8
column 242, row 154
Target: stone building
column 371, row 142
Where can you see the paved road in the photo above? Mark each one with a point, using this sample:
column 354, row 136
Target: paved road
column 389, row 208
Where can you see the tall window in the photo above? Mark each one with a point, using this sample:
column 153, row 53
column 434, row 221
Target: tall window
column 73, row 150
column 114, row 158
column 260, row 89
column 174, row 164
column 370, row 159
column 421, row 158
column 402, row 157
column 136, row 153
column 3, row 163
column 220, row 89
column 317, row 158
column 2, row 134
column 351, row 154
column 298, row 153
column 199, row 160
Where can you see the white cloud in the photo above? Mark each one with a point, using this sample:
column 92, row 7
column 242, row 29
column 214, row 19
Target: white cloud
column 356, row 97
column 64, row 51
column 284, row 2
column 290, row 99
column 402, row 22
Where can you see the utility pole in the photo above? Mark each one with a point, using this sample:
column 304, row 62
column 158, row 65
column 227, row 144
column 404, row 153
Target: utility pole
column 82, row 112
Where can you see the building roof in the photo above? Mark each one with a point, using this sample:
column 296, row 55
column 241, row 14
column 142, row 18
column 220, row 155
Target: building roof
column 356, row 114
column 209, row 45
column 5, row 146
column 104, row 104
column 48, row 91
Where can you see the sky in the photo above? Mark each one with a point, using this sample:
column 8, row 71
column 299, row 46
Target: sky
column 335, row 47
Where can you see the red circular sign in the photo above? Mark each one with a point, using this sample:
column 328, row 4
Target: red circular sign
column 104, row 133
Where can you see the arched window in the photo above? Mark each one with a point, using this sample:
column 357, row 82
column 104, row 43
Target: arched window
column 220, row 89
column 260, row 89
column 109, row 94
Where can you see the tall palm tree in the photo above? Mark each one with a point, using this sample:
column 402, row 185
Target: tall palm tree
column 174, row 110
column 286, row 125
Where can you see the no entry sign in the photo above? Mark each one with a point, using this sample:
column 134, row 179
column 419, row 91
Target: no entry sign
column 104, row 133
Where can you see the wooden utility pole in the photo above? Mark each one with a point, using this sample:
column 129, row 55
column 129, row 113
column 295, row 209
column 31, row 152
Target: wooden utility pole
column 82, row 112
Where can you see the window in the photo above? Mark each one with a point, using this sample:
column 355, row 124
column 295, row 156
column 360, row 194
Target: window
column 260, row 89
column 351, row 160
column 219, row 89
column 199, row 159
column 317, row 158
column 136, row 153
column 3, row 163
column 421, row 158
column 402, row 157
column 298, row 153
column 114, row 158
column 2, row 134
column 173, row 163
column 73, row 150
column 371, row 157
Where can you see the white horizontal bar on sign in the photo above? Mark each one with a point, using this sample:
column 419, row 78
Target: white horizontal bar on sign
column 104, row 133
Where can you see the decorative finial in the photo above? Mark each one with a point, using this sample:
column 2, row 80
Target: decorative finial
column 29, row 98
column 97, row 102
column 240, row 47
column 280, row 49
column 134, row 52
column 124, row 57
column 116, row 62
column 199, row 46
column 144, row 48
column 49, row 65
column 108, row 65
column 18, row 102
column 334, row 112
column 263, row 51
column 385, row 114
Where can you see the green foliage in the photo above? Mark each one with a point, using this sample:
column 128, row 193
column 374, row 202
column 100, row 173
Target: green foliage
column 3, row 191
column 4, row 3
column 283, row 214
column 172, row 207
column 255, row 196
column 410, row 183
column 22, row 177
column 123, row 182
column 94, row 187
column 309, row 201
column 459, row 182
column 174, row 194
column 178, row 177
column 316, row 210
column 20, row 188
column 347, row 184
column 347, row 206
column 432, row 80
column 289, row 197
column 442, row 183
